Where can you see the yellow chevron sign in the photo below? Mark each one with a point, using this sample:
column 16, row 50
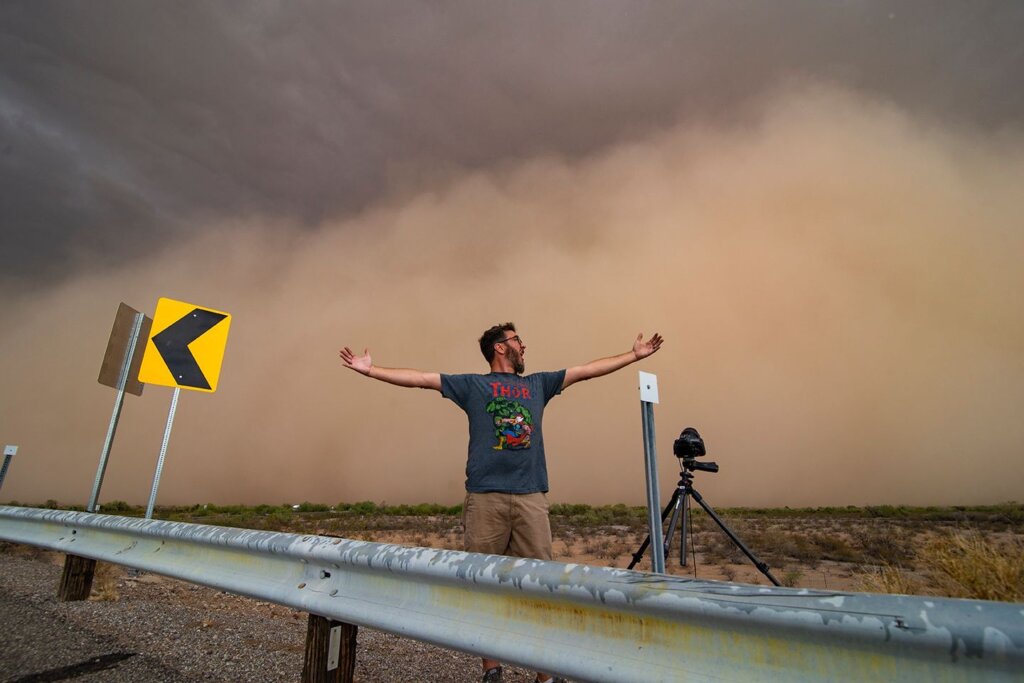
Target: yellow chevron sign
column 186, row 346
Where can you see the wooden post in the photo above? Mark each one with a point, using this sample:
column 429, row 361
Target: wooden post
column 329, row 660
column 76, row 580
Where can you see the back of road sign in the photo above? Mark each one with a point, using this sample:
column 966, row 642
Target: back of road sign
column 117, row 347
column 185, row 347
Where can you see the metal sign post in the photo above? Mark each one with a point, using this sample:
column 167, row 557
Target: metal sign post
column 120, row 369
column 9, row 452
column 163, row 453
column 185, row 350
column 122, row 382
column 648, row 397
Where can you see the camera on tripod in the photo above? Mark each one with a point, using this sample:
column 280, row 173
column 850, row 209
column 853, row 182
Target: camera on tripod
column 690, row 446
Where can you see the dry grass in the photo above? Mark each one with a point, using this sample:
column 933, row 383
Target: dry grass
column 959, row 565
column 104, row 581
column 973, row 566
column 890, row 579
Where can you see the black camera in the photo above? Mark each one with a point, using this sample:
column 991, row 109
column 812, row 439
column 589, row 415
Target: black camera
column 690, row 446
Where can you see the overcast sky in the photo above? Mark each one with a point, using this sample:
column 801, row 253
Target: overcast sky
column 127, row 125
column 816, row 203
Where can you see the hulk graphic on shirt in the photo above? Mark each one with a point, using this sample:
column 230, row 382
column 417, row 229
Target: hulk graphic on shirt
column 513, row 424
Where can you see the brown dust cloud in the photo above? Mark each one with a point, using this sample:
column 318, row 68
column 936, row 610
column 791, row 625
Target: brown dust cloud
column 836, row 280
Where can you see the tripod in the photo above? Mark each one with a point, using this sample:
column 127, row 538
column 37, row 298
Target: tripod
column 681, row 502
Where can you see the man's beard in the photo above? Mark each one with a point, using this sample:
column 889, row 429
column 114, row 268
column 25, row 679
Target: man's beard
column 517, row 362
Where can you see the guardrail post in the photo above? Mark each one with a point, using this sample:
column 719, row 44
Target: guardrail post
column 330, row 651
column 76, row 580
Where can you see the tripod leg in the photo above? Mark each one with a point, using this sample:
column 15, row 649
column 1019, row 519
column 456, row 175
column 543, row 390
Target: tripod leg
column 639, row 554
column 761, row 566
column 682, row 531
column 671, row 530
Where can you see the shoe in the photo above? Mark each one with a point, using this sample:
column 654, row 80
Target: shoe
column 492, row 675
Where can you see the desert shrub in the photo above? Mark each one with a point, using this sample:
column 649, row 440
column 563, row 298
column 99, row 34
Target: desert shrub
column 806, row 550
column 834, row 547
column 775, row 544
column 960, row 565
column 561, row 550
column 226, row 509
column 718, row 547
column 969, row 565
column 701, row 522
column 306, row 506
column 889, row 545
column 276, row 521
column 581, row 515
column 566, row 534
column 364, row 507
column 117, row 507
column 790, row 577
column 619, row 546
column 422, row 510
column 889, row 579
column 569, row 509
column 265, row 509
column 888, row 511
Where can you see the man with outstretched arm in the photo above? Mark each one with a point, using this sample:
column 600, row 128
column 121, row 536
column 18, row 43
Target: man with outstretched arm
column 506, row 507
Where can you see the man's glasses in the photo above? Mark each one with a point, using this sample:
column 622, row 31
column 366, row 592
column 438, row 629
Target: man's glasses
column 508, row 339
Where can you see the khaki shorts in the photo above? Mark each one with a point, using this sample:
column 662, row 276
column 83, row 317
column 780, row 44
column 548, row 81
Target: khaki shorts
column 508, row 524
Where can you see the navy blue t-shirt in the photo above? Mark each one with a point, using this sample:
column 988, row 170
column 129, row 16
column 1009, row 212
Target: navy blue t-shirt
column 506, row 443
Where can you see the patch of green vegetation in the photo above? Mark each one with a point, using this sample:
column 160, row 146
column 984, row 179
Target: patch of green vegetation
column 604, row 515
column 119, row 507
column 1010, row 512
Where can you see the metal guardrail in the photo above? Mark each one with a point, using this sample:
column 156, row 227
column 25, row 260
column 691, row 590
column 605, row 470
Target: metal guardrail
column 585, row 623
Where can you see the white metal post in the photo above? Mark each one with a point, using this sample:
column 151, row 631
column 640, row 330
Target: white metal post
column 648, row 397
column 122, row 380
column 163, row 453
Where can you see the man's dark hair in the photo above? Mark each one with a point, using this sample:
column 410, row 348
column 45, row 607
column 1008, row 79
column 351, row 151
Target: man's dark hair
column 491, row 337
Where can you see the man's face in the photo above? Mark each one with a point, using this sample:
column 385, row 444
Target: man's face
column 515, row 349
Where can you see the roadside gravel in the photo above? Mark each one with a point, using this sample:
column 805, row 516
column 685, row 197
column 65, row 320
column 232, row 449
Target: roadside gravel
column 160, row 629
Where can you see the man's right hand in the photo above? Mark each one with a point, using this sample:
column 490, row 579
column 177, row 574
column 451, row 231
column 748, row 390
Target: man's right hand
column 403, row 377
column 360, row 364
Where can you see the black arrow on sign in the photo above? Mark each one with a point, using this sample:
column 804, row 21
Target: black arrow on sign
column 173, row 341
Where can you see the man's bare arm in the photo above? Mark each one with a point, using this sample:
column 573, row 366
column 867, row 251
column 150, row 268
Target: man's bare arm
column 403, row 377
column 604, row 366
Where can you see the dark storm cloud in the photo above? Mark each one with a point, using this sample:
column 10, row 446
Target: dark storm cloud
column 126, row 124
